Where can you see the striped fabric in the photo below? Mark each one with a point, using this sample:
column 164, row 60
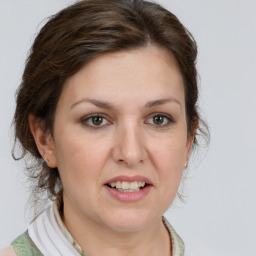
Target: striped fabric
column 47, row 235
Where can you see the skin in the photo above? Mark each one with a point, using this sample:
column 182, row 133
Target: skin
column 128, row 142
column 8, row 251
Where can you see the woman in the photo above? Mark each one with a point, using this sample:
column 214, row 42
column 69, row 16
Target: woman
column 107, row 111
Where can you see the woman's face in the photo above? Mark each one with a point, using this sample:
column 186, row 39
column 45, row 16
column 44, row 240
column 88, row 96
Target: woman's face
column 120, row 123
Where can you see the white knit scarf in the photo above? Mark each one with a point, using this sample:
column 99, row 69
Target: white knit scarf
column 48, row 236
column 51, row 237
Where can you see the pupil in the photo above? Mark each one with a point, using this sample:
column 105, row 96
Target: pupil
column 158, row 119
column 97, row 120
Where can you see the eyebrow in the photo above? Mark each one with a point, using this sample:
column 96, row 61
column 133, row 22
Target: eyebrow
column 154, row 103
column 106, row 105
column 100, row 104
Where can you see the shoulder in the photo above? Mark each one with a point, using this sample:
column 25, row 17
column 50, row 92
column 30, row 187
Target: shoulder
column 24, row 246
column 8, row 251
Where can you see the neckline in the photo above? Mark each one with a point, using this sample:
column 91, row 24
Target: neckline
column 177, row 243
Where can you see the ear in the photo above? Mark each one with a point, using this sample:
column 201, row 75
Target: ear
column 190, row 141
column 43, row 139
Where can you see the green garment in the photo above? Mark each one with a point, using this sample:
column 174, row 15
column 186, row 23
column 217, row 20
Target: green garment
column 24, row 246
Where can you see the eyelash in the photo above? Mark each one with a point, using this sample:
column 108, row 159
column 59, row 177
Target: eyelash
column 85, row 120
column 168, row 119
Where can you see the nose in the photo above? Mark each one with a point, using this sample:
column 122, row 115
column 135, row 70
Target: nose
column 129, row 147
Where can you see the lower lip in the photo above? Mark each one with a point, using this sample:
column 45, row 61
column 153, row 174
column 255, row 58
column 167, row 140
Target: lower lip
column 128, row 196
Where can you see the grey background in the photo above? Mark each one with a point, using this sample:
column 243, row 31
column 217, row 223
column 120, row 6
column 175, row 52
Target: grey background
column 220, row 214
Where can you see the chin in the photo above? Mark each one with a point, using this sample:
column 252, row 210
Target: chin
column 130, row 221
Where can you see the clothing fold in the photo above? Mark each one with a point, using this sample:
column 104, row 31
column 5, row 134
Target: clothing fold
column 48, row 234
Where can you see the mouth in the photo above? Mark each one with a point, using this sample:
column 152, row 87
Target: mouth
column 127, row 187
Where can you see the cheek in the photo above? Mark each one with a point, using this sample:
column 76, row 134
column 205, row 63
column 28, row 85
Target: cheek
column 78, row 157
column 169, row 158
column 171, row 151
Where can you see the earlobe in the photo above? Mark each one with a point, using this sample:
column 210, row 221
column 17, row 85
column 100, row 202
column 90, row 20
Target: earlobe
column 43, row 140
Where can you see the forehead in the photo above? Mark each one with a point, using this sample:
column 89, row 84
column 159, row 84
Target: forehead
column 149, row 72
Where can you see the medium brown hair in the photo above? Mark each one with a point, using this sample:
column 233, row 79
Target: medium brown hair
column 75, row 36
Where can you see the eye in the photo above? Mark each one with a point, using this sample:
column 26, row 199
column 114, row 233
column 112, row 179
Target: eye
column 95, row 121
column 160, row 120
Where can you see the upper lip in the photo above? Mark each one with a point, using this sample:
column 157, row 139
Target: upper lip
column 130, row 179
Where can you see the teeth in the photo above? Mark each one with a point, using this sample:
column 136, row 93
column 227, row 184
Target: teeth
column 133, row 185
column 125, row 186
column 128, row 190
column 118, row 184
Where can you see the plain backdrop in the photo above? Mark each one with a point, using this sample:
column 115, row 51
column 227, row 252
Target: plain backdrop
column 219, row 216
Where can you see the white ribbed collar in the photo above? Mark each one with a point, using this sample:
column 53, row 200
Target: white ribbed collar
column 46, row 234
column 52, row 238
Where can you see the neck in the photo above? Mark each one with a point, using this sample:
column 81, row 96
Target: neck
column 89, row 234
